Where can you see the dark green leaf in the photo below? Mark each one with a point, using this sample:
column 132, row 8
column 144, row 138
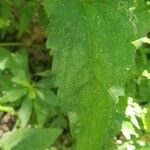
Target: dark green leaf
column 47, row 83
column 91, row 45
column 48, row 96
column 142, row 10
column 27, row 12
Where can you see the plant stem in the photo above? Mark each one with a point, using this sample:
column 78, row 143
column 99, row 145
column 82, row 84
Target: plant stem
column 14, row 44
column 7, row 109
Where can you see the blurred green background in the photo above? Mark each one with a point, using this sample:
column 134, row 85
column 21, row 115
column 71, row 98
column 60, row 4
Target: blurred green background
column 28, row 89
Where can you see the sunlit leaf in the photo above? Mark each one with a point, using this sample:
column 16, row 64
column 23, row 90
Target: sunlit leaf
column 146, row 118
column 4, row 57
column 13, row 95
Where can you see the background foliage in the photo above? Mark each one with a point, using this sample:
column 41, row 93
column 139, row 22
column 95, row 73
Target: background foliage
column 38, row 115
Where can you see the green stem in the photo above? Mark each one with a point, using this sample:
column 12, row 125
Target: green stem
column 7, row 109
column 14, row 44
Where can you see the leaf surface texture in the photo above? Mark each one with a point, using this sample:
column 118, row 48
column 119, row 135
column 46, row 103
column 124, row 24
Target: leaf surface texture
column 91, row 45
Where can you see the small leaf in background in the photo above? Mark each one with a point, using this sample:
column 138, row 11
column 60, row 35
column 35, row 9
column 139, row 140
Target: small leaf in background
column 46, row 73
column 29, row 139
column 4, row 23
column 5, row 12
column 25, row 111
column 17, row 3
column 47, row 83
column 43, row 17
column 140, row 42
column 13, row 95
column 133, row 110
column 128, row 130
column 42, row 111
column 27, row 12
column 19, row 64
column 142, row 14
column 31, row 92
column 5, row 81
column 4, row 57
column 23, row 82
column 146, row 118
column 3, row 64
column 48, row 97
column 59, row 122
column 5, row 9
column 144, row 92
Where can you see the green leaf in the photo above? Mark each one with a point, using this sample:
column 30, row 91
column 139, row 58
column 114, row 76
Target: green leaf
column 32, row 92
column 27, row 12
column 18, row 3
column 25, row 111
column 5, row 81
column 6, row 9
column 46, row 73
column 29, row 139
column 23, row 82
column 146, row 118
column 19, row 64
column 48, row 96
column 91, row 45
column 142, row 10
column 42, row 111
column 128, row 130
column 43, row 17
column 46, row 83
column 13, row 95
column 4, row 57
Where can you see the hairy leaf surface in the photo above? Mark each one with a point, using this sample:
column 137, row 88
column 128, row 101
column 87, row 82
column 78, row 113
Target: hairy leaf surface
column 90, row 41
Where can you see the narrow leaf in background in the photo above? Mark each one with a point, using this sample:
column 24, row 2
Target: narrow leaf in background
column 25, row 111
column 29, row 139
